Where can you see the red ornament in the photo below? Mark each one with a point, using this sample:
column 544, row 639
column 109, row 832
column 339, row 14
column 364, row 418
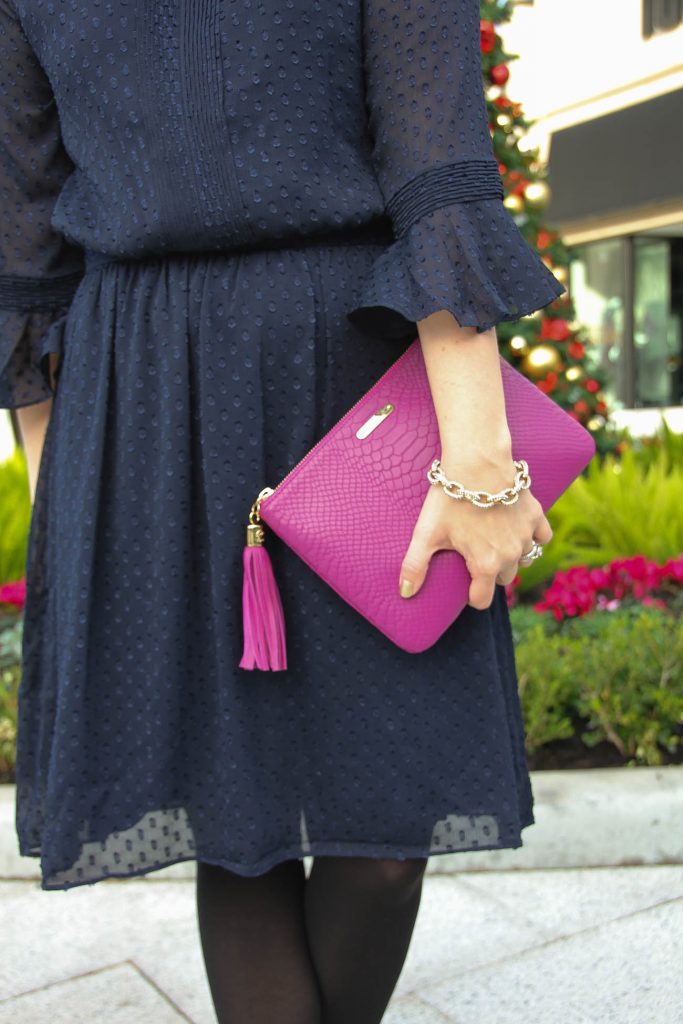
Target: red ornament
column 581, row 406
column 488, row 36
column 543, row 239
column 549, row 383
column 592, row 385
column 601, row 407
column 500, row 74
column 576, row 350
column 555, row 329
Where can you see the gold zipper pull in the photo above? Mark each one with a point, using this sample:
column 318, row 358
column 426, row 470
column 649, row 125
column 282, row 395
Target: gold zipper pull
column 255, row 532
column 374, row 421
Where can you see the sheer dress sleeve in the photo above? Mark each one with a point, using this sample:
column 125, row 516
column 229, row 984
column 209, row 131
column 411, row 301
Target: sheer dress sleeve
column 39, row 269
column 456, row 245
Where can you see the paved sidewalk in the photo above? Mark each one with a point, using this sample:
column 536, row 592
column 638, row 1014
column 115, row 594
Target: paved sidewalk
column 569, row 946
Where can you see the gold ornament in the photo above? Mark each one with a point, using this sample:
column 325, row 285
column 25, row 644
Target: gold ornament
column 513, row 203
column 504, row 120
column 561, row 274
column 539, row 360
column 574, row 373
column 537, row 195
column 595, row 422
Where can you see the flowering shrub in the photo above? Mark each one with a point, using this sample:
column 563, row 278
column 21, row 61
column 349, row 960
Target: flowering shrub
column 10, row 674
column 14, row 593
column 581, row 589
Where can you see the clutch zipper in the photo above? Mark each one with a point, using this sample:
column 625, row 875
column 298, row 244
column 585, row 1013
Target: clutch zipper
column 254, row 515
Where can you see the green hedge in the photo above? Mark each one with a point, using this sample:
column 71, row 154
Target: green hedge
column 15, row 516
column 615, row 676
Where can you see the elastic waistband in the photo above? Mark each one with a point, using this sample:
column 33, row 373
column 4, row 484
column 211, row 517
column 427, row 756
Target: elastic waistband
column 377, row 232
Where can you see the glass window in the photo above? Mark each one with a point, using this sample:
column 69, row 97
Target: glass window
column 661, row 16
column 656, row 332
column 597, row 288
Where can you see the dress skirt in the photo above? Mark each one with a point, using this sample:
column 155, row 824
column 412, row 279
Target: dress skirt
column 188, row 382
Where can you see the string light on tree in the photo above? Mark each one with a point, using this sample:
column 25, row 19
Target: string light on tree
column 537, row 195
column 519, row 345
column 514, row 203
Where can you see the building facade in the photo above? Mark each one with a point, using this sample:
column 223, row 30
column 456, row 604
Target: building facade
column 604, row 83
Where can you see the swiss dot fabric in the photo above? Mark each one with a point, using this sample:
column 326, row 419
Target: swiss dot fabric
column 226, row 219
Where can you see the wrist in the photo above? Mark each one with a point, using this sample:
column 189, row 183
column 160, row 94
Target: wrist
column 491, row 468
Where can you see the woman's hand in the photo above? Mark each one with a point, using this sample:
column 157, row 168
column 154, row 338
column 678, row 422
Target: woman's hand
column 491, row 540
column 464, row 370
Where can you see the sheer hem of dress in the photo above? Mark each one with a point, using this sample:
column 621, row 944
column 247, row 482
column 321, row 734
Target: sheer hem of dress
column 165, row 837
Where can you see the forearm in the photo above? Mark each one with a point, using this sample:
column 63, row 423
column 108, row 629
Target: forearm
column 464, row 374
column 33, row 422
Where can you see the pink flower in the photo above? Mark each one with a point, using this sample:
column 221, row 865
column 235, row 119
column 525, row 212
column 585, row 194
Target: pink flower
column 14, row 593
column 579, row 590
column 604, row 603
column 672, row 570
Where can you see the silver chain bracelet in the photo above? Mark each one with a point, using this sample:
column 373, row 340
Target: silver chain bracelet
column 483, row 499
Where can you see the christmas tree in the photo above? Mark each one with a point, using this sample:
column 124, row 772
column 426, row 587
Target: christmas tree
column 548, row 346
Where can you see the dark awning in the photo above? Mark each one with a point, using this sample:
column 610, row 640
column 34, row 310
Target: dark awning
column 619, row 161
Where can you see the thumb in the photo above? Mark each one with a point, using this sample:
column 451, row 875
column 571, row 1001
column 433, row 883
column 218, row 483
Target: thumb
column 414, row 566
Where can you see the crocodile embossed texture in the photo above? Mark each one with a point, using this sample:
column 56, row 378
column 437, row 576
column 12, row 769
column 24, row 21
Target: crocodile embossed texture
column 349, row 508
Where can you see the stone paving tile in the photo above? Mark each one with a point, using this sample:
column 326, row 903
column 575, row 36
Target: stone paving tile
column 411, row 1010
column 459, row 928
column 117, row 995
column 470, row 930
column 624, row 972
column 50, row 936
column 172, row 959
column 560, row 903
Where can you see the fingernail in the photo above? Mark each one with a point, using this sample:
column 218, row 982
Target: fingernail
column 406, row 588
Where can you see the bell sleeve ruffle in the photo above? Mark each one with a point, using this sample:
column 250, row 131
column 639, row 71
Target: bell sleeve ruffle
column 467, row 257
column 456, row 246
column 27, row 337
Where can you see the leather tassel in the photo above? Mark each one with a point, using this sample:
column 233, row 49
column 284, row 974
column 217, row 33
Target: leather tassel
column 262, row 613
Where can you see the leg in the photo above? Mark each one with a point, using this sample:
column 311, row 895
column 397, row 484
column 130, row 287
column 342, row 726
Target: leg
column 360, row 914
column 255, row 947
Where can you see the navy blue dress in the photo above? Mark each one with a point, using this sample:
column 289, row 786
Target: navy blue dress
column 227, row 217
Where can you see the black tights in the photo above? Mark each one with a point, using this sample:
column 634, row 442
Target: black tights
column 281, row 948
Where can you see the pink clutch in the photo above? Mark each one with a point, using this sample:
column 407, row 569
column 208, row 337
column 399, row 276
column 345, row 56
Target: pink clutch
column 349, row 506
